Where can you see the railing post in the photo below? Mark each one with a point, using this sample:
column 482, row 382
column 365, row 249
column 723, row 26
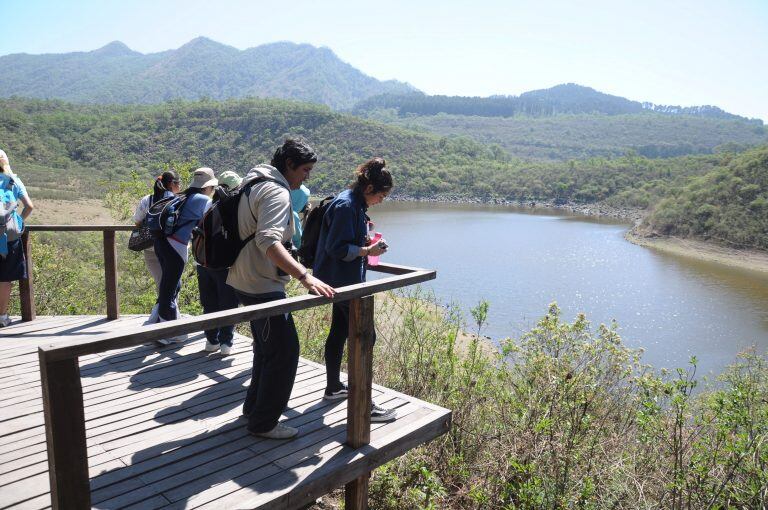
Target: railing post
column 110, row 275
column 360, row 356
column 65, row 433
column 26, row 289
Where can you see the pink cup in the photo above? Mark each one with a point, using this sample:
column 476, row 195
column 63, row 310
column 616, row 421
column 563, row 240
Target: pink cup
column 374, row 261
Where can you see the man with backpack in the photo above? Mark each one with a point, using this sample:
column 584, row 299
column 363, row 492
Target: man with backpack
column 215, row 294
column 260, row 273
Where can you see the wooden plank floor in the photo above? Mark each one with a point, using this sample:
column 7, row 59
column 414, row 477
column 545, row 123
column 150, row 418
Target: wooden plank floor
column 164, row 426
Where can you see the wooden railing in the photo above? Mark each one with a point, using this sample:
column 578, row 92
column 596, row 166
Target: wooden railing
column 26, row 287
column 63, row 395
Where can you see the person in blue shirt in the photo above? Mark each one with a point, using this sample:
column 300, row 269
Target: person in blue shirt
column 299, row 201
column 13, row 265
column 172, row 251
column 342, row 249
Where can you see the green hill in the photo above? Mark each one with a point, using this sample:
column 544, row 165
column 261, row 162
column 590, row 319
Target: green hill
column 576, row 136
column 200, row 68
column 557, row 100
column 728, row 205
column 569, row 122
column 60, row 147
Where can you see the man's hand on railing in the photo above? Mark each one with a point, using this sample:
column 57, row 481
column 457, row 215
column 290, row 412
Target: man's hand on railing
column 316, row 286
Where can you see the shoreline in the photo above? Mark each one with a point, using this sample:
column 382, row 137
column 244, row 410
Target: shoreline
column 633, row 215
column 752, row 260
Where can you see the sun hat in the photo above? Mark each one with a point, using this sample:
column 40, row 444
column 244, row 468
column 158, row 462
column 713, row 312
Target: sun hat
column 229, row 179
column 4, row 163
column 203, row 177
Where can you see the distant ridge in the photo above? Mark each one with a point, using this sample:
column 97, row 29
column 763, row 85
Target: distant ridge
column 568, row 98
column 200, row 68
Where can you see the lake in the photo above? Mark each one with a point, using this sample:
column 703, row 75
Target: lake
column 520, row 260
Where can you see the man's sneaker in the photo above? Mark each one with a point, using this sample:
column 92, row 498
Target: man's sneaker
column 379, row 414
column 279, row 432
column 4, row 321
column 226, row 350
column 338, row 394
column 209, row 347
column 173, row 340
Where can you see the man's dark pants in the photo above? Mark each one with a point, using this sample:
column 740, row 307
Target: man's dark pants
column 275, row 360
column 215, row 296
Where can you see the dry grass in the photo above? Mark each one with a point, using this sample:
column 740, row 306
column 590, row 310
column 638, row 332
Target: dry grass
column 70, row 212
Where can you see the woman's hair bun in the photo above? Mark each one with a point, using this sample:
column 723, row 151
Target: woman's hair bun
column 373, row 172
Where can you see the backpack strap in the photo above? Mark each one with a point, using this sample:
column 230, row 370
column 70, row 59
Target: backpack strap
column 258, row 180
column 247, row 191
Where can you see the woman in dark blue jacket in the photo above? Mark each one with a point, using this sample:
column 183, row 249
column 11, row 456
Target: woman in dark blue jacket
column 342, row 250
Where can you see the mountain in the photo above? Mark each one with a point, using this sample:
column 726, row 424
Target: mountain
column 568, row 98
column 569, row 122
column 200, row 68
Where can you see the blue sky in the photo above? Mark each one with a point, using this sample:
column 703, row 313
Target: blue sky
column 669, row 52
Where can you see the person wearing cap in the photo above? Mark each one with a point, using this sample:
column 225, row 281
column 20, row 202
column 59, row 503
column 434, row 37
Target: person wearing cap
column 215, row 294
column 13, row 265
column 172, row 250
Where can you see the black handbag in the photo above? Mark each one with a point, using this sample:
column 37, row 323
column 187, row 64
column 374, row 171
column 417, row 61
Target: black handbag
column 141, row 239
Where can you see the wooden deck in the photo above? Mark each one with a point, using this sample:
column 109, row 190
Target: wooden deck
column 164, row 426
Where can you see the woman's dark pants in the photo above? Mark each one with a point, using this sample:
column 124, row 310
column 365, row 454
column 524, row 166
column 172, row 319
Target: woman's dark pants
column 170, row 283
column 275, row 360
column 215, row 296
column 334, row 345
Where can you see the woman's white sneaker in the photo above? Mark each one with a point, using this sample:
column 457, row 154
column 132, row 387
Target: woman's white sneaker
column 226, row 350
column 379, row 414
column 209, row 347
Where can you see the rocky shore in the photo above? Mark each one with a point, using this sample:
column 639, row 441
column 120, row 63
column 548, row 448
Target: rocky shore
column 753, row 260
column 632, row 215
column 747, row 259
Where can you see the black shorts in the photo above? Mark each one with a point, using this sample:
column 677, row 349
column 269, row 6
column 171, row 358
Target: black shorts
column 13, row 266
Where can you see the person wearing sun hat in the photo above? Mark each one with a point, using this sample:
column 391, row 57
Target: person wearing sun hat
column 215, row 294
column 13, row 265
column 172, row 251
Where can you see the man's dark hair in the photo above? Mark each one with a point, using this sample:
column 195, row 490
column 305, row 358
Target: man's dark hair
column 297, row 151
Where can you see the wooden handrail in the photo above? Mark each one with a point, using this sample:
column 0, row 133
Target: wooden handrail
column 79, row 228
column 139, row 335
column 26, row 287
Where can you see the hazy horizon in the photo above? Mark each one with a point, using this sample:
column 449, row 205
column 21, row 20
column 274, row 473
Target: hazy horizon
column 687, row 54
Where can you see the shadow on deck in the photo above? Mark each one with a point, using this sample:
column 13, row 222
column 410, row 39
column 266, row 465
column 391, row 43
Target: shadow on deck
column 164, row 426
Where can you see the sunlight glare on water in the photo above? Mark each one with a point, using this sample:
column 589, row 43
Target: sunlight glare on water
column 672, row 306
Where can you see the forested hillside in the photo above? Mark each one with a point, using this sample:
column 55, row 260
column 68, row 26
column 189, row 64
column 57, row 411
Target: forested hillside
column 200, row 68
column 728, row 205
column 557, row 100
column 59, row 143
column 576, row 136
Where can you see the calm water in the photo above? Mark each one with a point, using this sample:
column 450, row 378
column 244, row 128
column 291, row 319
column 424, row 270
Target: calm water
column 521, row 261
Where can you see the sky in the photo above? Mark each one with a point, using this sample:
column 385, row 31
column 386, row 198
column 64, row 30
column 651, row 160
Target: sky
column 676, row 52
